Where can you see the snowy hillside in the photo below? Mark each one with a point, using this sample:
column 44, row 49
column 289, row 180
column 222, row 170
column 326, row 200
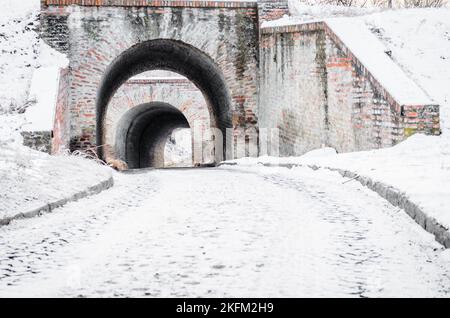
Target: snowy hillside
column 28, row 80
column 19, row 50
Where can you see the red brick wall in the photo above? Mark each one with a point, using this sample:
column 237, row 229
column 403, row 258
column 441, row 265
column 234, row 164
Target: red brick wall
column 319, row 94
column 93, row 37
column 153, row 3
column 179, row 93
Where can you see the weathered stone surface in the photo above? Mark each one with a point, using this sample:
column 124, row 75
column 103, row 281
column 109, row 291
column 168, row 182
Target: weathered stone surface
column 38, row 140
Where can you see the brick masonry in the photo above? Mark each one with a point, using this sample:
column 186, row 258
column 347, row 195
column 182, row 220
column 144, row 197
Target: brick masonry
column 300, row 79
column 318, row 94
column 178, row 92
column 269, row 10
column 93, row 36
column 61, row 137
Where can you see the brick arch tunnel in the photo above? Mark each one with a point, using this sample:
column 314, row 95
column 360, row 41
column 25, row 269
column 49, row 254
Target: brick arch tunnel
column 142, row 133
column 169, row 55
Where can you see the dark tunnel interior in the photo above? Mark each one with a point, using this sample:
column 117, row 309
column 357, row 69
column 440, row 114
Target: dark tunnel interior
column 171, row 55
column 142, row 133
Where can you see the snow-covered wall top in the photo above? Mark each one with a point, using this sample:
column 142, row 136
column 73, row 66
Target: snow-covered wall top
column 358, row 42
column 319, row 87
column 364, row 45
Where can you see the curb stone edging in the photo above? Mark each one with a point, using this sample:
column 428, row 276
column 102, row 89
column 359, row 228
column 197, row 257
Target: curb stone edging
column 393, row 195
column 400, row 199
column 49, row 207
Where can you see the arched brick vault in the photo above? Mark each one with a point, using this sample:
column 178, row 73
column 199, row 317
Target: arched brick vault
column 178, row 92
column 142, row 133
column 312, row 86
column 93, row 36
column 171, row 55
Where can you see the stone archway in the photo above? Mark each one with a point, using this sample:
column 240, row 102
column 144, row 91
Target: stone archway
column 171, row 55
column 142, row 133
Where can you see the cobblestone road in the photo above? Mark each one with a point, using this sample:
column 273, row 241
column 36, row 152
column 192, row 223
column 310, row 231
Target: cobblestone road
column 217, row 232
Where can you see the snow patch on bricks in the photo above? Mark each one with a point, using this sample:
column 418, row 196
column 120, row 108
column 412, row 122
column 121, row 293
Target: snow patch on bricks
column 419, row 42
column 300, row 12
column 33, row 182
column 44, row 90
column 372, row 54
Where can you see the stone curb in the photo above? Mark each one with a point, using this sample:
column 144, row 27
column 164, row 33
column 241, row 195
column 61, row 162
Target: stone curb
column 49, row 207
column 392, row 195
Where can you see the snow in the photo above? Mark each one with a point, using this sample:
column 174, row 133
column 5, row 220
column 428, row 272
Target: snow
column 224, row 233
column 372, row 54
column 178, row 149
column 44, row 90
column 300, row 12
column 417, row 167
column 158, row 75
column 419, row 40
column 18, row 51
column 356, row 36
column 420, row 43
column 30, row 179
column 29, row 71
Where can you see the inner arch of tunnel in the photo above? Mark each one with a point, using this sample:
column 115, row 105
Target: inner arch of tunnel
column 142, row 133
column 170, row 55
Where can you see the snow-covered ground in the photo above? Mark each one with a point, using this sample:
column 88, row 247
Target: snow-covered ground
column 231, row 231
column 19, row 47
column 415, row 167
column 29, row 71
column 419, row 40
column 178, row 150
column 224, row 232
column 29, row 179
column 420, row 43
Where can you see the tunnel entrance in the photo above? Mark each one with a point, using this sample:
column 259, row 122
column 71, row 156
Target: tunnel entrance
column 144, row 129
column 178, row 151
